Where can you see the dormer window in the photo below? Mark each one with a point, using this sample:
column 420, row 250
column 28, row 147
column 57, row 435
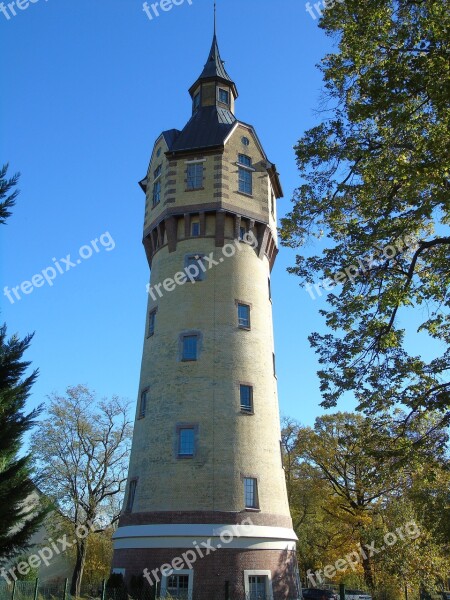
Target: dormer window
column 196, row 101
column 157, row 186
column 243, row 159
column 224, row 96
column 245, row 174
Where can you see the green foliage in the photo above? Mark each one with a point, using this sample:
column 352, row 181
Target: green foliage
column 7, row 199
column 20, row 515
column 81, row 450
column 377, row 191
column 345, row 491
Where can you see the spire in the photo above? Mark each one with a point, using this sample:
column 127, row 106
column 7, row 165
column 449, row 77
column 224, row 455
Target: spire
column 214, row 68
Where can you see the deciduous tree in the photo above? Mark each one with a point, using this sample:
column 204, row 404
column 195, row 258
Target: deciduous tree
column 376, row 190
column 82, row 449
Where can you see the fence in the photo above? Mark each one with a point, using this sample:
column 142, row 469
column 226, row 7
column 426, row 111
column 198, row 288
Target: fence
column 36, row 590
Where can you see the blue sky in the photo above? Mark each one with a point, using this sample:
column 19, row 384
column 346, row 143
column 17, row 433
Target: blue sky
column 87, row 87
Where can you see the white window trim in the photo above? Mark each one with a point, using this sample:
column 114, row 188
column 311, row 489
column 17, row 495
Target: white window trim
column 189, row 572
column 246, row 167
column 155, row 179
column 267, row 574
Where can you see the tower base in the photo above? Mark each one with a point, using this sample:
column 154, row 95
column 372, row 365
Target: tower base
column 210, row 561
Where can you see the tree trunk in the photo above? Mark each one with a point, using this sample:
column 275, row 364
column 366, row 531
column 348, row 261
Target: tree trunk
column 368, row 575
column 77, row 575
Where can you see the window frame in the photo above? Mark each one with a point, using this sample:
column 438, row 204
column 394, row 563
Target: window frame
column 184, row 337
column 143, row 405
column 248, row 410
column 198, row 257
column 196, row 101
column 258, row 573
column 165, row 578
column 226, row 92
column 180, row 430
column 245, row 181
column 248, row 321
column 131, row 495
column 151, row 322
column 244, row 160
column 156, row 197
column 195, row 182
column 254, row 492
column 195, row 223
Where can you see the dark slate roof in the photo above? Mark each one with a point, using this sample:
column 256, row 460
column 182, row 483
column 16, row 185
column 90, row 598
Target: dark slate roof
column 207, row 128
column 214, row 69
column 170, row 136
column 214, row 66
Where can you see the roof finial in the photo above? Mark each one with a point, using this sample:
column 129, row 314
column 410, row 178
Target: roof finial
column 215, row 16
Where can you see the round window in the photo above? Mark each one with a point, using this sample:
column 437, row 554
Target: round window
column 245, row 141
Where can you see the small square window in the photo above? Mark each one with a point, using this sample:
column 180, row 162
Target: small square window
column 224, row 96
column 195, row 176
column 195, row 228
column 195, row 260
column 143, row 404
column 186, row 441
column 156, row 193
column 190, row 347
column 244, row 316
column 251, row 492
column 246, row 397
column 151, row 322
column 245, row 181
column 131, row 494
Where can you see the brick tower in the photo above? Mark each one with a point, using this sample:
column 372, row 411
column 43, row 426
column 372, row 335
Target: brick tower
column 206, row 515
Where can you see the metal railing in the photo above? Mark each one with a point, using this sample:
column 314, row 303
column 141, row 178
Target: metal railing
column 37, row 590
